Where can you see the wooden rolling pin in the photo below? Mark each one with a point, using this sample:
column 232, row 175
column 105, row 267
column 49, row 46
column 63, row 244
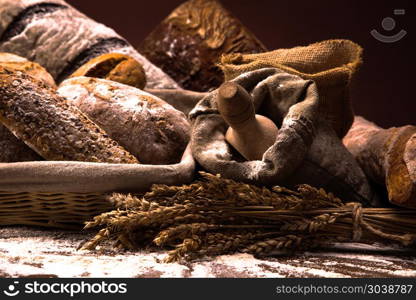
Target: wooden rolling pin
column 249, row 133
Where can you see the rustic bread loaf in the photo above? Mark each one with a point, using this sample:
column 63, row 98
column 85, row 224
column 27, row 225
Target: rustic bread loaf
column 33, row 69
column 49, row 125
column 61, row 39
column 116, row 67
column 187, row 45
column 13, row 150
column 148, row 127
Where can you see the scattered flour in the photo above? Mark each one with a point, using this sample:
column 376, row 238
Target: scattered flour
column 26, row 251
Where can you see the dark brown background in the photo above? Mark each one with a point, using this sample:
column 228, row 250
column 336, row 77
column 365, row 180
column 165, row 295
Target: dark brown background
column 384, row 88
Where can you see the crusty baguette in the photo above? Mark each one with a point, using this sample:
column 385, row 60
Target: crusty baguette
column 148, row 127
column 50, row 126
column 387, row 157
column 11, row 148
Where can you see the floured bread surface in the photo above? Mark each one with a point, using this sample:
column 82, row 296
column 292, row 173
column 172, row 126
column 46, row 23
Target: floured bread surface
column 49, row 125
column 9, row 9
column 61, row 39
column 148, row 127
column 188, row 44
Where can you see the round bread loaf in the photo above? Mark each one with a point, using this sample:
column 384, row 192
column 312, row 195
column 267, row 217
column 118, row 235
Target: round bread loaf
column 148, row 127
column 13, row 150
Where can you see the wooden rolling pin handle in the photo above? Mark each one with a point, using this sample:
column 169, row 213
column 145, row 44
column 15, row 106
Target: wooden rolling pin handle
column 249, row 134
column 235, row 105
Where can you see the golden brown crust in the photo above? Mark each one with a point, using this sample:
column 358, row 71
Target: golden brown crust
column 52, row 127
column 116, row 67
column 400, row 186
column 383, row 156
column 33, row 69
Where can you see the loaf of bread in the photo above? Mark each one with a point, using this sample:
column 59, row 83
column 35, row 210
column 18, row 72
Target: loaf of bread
column 61, row 39
column 187, row 45
column 33, row 69
column 13, row 150
column 49, row 125
column 116, row 67
column 148, row 127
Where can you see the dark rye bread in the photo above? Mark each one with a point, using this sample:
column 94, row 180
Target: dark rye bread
column 61, row 39
column 187, row 45
column 148, row 127
column 50, row 126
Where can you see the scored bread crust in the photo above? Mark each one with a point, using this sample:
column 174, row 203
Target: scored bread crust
column 52, row 127
column 57, row 39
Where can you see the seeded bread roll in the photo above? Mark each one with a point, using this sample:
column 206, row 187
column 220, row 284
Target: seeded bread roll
column 49, row 125
column 148, row 127
column 61, row 39
column 11, row 148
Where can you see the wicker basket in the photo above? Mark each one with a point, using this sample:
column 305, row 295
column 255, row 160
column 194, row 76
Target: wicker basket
column 66, row 194
column 57, row 210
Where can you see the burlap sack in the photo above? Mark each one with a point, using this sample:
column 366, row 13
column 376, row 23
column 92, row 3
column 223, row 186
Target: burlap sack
column 307, row 148
column 330, row 64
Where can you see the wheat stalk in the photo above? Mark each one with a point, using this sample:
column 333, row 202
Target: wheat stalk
column 215, row 216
